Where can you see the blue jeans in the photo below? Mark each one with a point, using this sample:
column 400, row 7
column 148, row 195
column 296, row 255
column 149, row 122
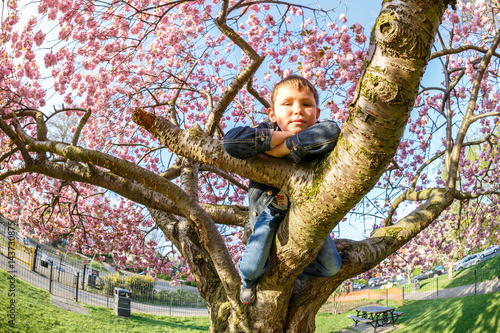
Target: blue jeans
column 254, row 261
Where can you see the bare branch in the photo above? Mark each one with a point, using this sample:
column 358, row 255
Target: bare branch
column 79, row 128
column 467, row 120
column 459, row 49
column 255, row 94
column 17, row 141
column 239, row 80
column 224, row 175
column 8, row 154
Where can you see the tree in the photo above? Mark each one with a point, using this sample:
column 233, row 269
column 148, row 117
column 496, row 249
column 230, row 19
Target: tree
column 145, row 76
column 462, row 111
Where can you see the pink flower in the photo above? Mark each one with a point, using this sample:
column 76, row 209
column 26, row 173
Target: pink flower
column 50, row 59
column 39, row 38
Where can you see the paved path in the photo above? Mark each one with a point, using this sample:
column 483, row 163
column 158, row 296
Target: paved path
column 480, row 288
column 68, row 305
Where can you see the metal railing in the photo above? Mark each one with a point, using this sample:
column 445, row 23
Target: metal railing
column 431, row 288
column 65, row 277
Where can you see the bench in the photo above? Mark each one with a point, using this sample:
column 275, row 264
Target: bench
column 360, row 320
column 396, row 315
column 376, row 316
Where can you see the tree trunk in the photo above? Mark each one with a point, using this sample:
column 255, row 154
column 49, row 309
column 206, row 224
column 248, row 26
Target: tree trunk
column 324, row 192
column 321, row 193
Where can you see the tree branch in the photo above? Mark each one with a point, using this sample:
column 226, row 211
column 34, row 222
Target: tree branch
column 17, row 141
column 207, row 230
column 241, row 78
column 467, row 120
column 80, row 126
column 196, row 145
column 255, row 94
column 224, row 175
column 459, row 49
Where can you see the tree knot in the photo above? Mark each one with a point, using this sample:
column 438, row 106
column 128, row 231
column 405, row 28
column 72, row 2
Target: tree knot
column 143, row 118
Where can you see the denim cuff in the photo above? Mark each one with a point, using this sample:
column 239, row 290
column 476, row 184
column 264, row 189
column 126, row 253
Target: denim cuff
column 263, row 138
column 297, row 151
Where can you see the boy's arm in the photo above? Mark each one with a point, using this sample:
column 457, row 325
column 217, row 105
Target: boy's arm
column 317, row 139
column 245, row 142
column 278, row 142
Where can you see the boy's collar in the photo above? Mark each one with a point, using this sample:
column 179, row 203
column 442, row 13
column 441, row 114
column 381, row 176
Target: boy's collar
column 274, row 125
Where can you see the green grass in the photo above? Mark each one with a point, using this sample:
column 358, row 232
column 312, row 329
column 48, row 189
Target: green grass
column 35, row 313
column 471, row 314
column 486, row 270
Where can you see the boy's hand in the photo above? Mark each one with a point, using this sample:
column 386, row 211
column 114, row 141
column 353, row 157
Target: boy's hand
column 278, row 143
column 279, row 150
column 279, row 137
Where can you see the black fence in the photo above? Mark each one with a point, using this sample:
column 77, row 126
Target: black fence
column 70, row 278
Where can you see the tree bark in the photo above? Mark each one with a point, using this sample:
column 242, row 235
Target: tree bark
column 323, row 192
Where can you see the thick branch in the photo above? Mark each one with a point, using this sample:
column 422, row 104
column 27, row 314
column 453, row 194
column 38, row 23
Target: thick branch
column 386, row 94
column 130, row 189
column 208, row 232
column 195, row 145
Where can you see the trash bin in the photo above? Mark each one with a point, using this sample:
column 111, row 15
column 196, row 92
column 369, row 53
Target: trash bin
column 415, row 286
column 121, row 304
column 91, row 281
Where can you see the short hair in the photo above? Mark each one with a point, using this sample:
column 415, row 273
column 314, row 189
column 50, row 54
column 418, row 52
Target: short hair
column 294, row 81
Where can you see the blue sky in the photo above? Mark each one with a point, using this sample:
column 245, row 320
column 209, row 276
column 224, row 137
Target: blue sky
column 362, row 11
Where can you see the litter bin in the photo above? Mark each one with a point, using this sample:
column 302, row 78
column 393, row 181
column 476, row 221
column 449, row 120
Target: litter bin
column 415, row 286
column 91, row 281
column 121, row 304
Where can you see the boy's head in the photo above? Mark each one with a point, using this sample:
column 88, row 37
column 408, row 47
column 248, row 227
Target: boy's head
column 294, row 103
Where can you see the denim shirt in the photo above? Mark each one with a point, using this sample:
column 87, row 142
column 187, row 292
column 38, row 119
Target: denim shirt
column 245, row 142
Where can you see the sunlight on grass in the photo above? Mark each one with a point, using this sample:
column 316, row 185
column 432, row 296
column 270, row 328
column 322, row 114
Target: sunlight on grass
column 471, row 314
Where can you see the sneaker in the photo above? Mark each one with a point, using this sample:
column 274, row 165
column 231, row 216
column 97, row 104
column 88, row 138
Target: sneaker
column 247, row 295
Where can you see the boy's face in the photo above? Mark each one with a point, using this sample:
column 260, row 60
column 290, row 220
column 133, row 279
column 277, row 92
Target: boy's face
column 294, row 110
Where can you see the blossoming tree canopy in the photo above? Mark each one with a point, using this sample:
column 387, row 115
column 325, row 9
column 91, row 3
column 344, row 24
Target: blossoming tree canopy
column 147, row 89
column 96, row 63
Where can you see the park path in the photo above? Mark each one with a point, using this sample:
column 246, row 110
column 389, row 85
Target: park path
column 479, row 288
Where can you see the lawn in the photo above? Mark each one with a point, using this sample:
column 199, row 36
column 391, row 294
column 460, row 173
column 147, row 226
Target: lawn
column 483, row 271
column 35, row 313
column 471, row 314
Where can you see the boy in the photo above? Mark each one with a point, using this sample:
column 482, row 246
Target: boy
column 292, row 129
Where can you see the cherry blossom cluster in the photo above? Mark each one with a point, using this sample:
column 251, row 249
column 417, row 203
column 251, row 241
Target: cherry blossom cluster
column 445, row 105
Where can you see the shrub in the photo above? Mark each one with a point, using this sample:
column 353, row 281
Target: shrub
column 139, row 285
